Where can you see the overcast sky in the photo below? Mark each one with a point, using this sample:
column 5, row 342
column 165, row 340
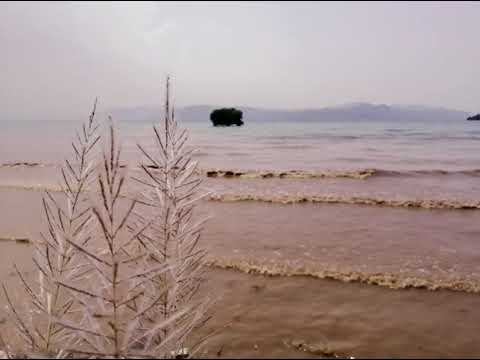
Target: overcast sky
column 56, row 57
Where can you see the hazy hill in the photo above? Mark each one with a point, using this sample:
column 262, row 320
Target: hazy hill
column 348, row 112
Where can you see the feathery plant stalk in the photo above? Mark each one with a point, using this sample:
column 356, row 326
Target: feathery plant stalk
column 113, row 298
column 120, row 277
column 121, row 298
column 69, row 223
column 171, row 188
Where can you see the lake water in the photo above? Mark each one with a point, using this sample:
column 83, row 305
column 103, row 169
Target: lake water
column 270, row 145
column 394, row 204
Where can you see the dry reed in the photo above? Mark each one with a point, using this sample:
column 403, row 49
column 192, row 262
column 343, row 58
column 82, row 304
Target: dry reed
column 118, row 277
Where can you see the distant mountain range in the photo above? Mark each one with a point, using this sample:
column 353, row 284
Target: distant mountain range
column 348, row 112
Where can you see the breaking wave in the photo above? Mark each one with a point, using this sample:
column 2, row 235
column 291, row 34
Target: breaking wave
column 395, row 281
column 290, row 174
column 352, row 174
column 248, row 174
column 24, row 164
column 334, row 199
column 389, row 280
column 286, row 199
column 39, row 187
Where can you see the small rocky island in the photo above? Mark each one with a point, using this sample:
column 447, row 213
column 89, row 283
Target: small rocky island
column 226, row 117
column 474, row 118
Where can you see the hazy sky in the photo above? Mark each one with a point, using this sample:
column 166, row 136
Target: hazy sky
column 56, row 57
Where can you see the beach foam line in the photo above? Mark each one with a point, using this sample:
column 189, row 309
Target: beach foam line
column 232, row 173
column 433, row 172
column 39, row 187
column 289, row 174
column 395, row 281
column 360, row 174
column 286, row 199
column 22, row 240
column 25, row 164
column 334, row 199
column 388, row 280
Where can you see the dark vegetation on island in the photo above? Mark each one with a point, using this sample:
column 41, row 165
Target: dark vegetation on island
column 226, row 117
column 474, row 118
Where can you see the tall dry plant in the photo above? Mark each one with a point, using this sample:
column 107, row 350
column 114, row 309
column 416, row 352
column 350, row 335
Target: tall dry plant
column 171, row 189
column 69, row 222
column 115, row 299
column 117, row 280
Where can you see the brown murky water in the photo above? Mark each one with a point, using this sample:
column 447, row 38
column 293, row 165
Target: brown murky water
column 322, row 265
column 350, row 238
column 300, row 316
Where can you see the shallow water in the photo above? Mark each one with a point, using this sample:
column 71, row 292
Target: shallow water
column 271, row 145
column 301, row 317
column 391, row 247
column 379, row 207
